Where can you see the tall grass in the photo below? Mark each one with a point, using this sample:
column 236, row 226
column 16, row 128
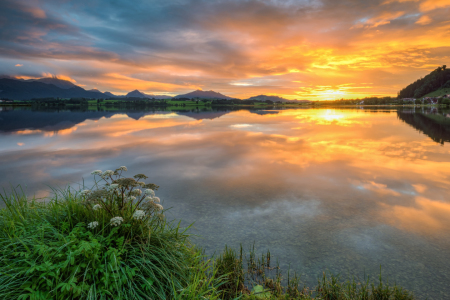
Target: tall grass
column 47, row 252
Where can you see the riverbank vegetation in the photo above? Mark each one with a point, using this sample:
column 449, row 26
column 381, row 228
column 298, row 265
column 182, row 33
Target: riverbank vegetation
column 114, row 242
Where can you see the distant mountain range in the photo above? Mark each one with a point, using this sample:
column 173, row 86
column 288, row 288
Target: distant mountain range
column 203, row 95
column 276, row 99
column 52, row 87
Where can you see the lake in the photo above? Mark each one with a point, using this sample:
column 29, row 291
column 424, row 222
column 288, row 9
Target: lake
column 339, row 190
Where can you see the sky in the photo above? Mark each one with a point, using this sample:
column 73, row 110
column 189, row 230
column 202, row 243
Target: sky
column 304, row 49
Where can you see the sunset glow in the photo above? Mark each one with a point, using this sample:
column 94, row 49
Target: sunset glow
column 301, row 49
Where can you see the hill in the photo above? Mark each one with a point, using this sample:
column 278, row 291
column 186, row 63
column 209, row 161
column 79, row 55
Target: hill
column 276, row 99
column 265, row 97
column 203, row 95
column 138, row 94
column 438, row 79
column 20, row 89
column 24, row 90
column 61, row 83
column 111, row 95
column 95, row 91
column 439, row 93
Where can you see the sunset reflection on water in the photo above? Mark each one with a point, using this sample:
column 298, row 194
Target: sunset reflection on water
column 346, row 190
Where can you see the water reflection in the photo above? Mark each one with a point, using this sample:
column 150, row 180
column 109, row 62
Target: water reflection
column 431, row 122
column 341, row 189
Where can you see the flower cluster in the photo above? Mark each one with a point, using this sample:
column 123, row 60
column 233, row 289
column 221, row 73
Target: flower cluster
column 123, row 198
column 92, row 225
column 116, row 221
column 85, row 192
column 149, row 192
column 112, row 187
column 107, row 173
column 136, row 192
column 139, row 215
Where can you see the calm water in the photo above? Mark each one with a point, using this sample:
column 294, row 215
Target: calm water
column 338, row 189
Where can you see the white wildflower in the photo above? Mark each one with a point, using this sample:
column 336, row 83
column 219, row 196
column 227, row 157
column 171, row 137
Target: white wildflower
column 159, row 206
column 107, row 173
column 136, row 192
column 113, row 186
column 139, row 214
column 156, row 199
column 84, row 192
column 123, row 168
column 92, row 225
column 141, row 183
column 96, row 172
column 96, row 207
column 148, row 198
column 116, row 221
column 149, row 192
column 131, row 198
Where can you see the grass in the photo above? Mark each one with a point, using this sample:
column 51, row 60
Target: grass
column 50, row 250
column 438, row 93
column 188, row 103
column 262, row 280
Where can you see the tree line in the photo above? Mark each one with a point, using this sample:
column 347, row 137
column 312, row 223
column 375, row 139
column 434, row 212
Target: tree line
column 438, row 79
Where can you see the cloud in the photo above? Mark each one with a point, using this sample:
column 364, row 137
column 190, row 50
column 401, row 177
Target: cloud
column 424, row 20
column 382, row 19
column 19, row 65
column 433, row 4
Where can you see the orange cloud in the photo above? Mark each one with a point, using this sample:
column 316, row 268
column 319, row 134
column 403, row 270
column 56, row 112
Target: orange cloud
column 424, row 20
column 63, row 77
column 382, row 19
column 433, row 4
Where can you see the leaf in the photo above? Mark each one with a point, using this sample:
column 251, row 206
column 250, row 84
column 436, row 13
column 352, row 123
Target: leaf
column 258, row 290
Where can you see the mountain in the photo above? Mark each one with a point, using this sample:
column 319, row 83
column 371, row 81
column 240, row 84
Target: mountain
column 61, row 83
column 95, row 91
column 108, row 94
column 265, row 97
column 276, row 99
column 204, row 95
column 24, row 90
column 138, row 94
column 438, row 79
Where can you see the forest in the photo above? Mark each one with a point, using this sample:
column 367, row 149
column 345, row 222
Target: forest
column 438, row 79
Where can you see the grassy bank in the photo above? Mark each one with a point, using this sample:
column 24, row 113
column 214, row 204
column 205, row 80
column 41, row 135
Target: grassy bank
column 113, row 242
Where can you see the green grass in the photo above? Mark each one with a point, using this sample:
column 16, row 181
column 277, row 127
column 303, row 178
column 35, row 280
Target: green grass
column 188, row 103
column 48, row 251
column 438, row 93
